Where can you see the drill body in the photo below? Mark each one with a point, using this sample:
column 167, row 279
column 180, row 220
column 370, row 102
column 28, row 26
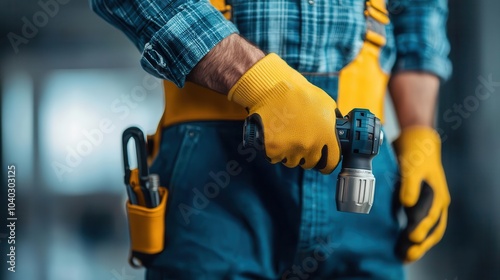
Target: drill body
column 360, row 137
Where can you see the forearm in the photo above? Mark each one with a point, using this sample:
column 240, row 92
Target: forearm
column 173, row 35
column 225, row 64
column 414, row 95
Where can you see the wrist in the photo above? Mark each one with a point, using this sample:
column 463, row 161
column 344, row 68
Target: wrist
column 414, row 96
column 424, row 138
column 224, row 65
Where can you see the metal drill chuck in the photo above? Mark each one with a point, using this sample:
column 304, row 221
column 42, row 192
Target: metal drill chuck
column 355, row 190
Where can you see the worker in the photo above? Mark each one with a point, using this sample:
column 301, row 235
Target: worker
column 238, row 212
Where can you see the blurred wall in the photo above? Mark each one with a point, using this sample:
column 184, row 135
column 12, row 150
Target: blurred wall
column 74, row 78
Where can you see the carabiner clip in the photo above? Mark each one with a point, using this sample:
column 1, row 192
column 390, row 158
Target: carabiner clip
column 142, row 164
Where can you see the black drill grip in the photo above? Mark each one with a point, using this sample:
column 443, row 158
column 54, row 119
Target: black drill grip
column 253, row 135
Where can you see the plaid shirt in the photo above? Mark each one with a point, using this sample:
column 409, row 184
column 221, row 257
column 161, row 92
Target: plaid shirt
column 313, row 36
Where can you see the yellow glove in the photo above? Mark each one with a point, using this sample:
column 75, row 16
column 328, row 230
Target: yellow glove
column 297, row 118
column 424, row 191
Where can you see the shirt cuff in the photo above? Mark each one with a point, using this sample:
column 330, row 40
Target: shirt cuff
column 437, row 65
column 184, row 40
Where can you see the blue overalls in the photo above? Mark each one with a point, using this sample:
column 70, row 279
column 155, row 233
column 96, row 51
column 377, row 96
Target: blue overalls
column 233, row 215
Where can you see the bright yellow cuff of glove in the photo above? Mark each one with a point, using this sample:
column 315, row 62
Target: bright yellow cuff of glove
column 298, row 118
column 424, row 191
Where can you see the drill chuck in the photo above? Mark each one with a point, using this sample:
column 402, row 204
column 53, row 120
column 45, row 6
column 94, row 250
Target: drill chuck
column 355, row 190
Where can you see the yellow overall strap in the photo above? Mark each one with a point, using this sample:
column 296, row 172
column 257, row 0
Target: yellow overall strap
column 377, row 18
column 362, row 83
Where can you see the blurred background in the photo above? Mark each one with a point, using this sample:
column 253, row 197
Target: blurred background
column 72, row 83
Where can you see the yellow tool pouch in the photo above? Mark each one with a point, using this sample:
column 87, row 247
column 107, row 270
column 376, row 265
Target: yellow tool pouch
column 146, row 205
column 362, row 83
column 146, row 225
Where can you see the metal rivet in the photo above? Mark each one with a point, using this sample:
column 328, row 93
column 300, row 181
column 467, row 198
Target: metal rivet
column 311, row 2
column 341, row 132
column 191, row 134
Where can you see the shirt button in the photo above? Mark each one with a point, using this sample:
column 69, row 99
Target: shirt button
column 311, row 2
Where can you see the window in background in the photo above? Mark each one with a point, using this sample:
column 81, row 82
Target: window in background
column 17, row 126
column 82, row 116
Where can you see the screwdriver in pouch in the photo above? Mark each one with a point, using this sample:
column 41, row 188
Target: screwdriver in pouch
column 154, row 184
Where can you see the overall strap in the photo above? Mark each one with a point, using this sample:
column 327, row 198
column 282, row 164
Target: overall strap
column 377, row 17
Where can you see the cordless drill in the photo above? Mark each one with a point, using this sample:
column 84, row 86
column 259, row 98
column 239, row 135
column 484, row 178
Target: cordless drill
column 360, row 136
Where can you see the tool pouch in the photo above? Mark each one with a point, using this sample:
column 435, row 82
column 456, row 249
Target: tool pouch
column 146, row 225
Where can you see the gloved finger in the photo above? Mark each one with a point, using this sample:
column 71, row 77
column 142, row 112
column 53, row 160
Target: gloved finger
column 420, row 210
column 423, row 228
column 332, row 150
column 321, row 164
column 330, row 158
column 414, row 216
column 273, row 155
column 311, row 160
column 410, row 189
column 273, row 152
column 441, row 199
column 424, row 215
column 416, row 251
column 292, row 160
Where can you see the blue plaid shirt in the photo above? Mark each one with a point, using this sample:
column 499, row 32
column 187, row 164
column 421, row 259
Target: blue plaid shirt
column 313, row 36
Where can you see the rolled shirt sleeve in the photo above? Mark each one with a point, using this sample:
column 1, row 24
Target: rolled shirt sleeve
column 172, row 35
column 420, row 36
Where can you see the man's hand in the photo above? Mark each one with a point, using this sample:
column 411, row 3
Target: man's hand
column 298, row 118
column 423, row 192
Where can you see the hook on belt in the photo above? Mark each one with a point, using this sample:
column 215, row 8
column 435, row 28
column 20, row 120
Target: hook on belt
column 142, row 165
